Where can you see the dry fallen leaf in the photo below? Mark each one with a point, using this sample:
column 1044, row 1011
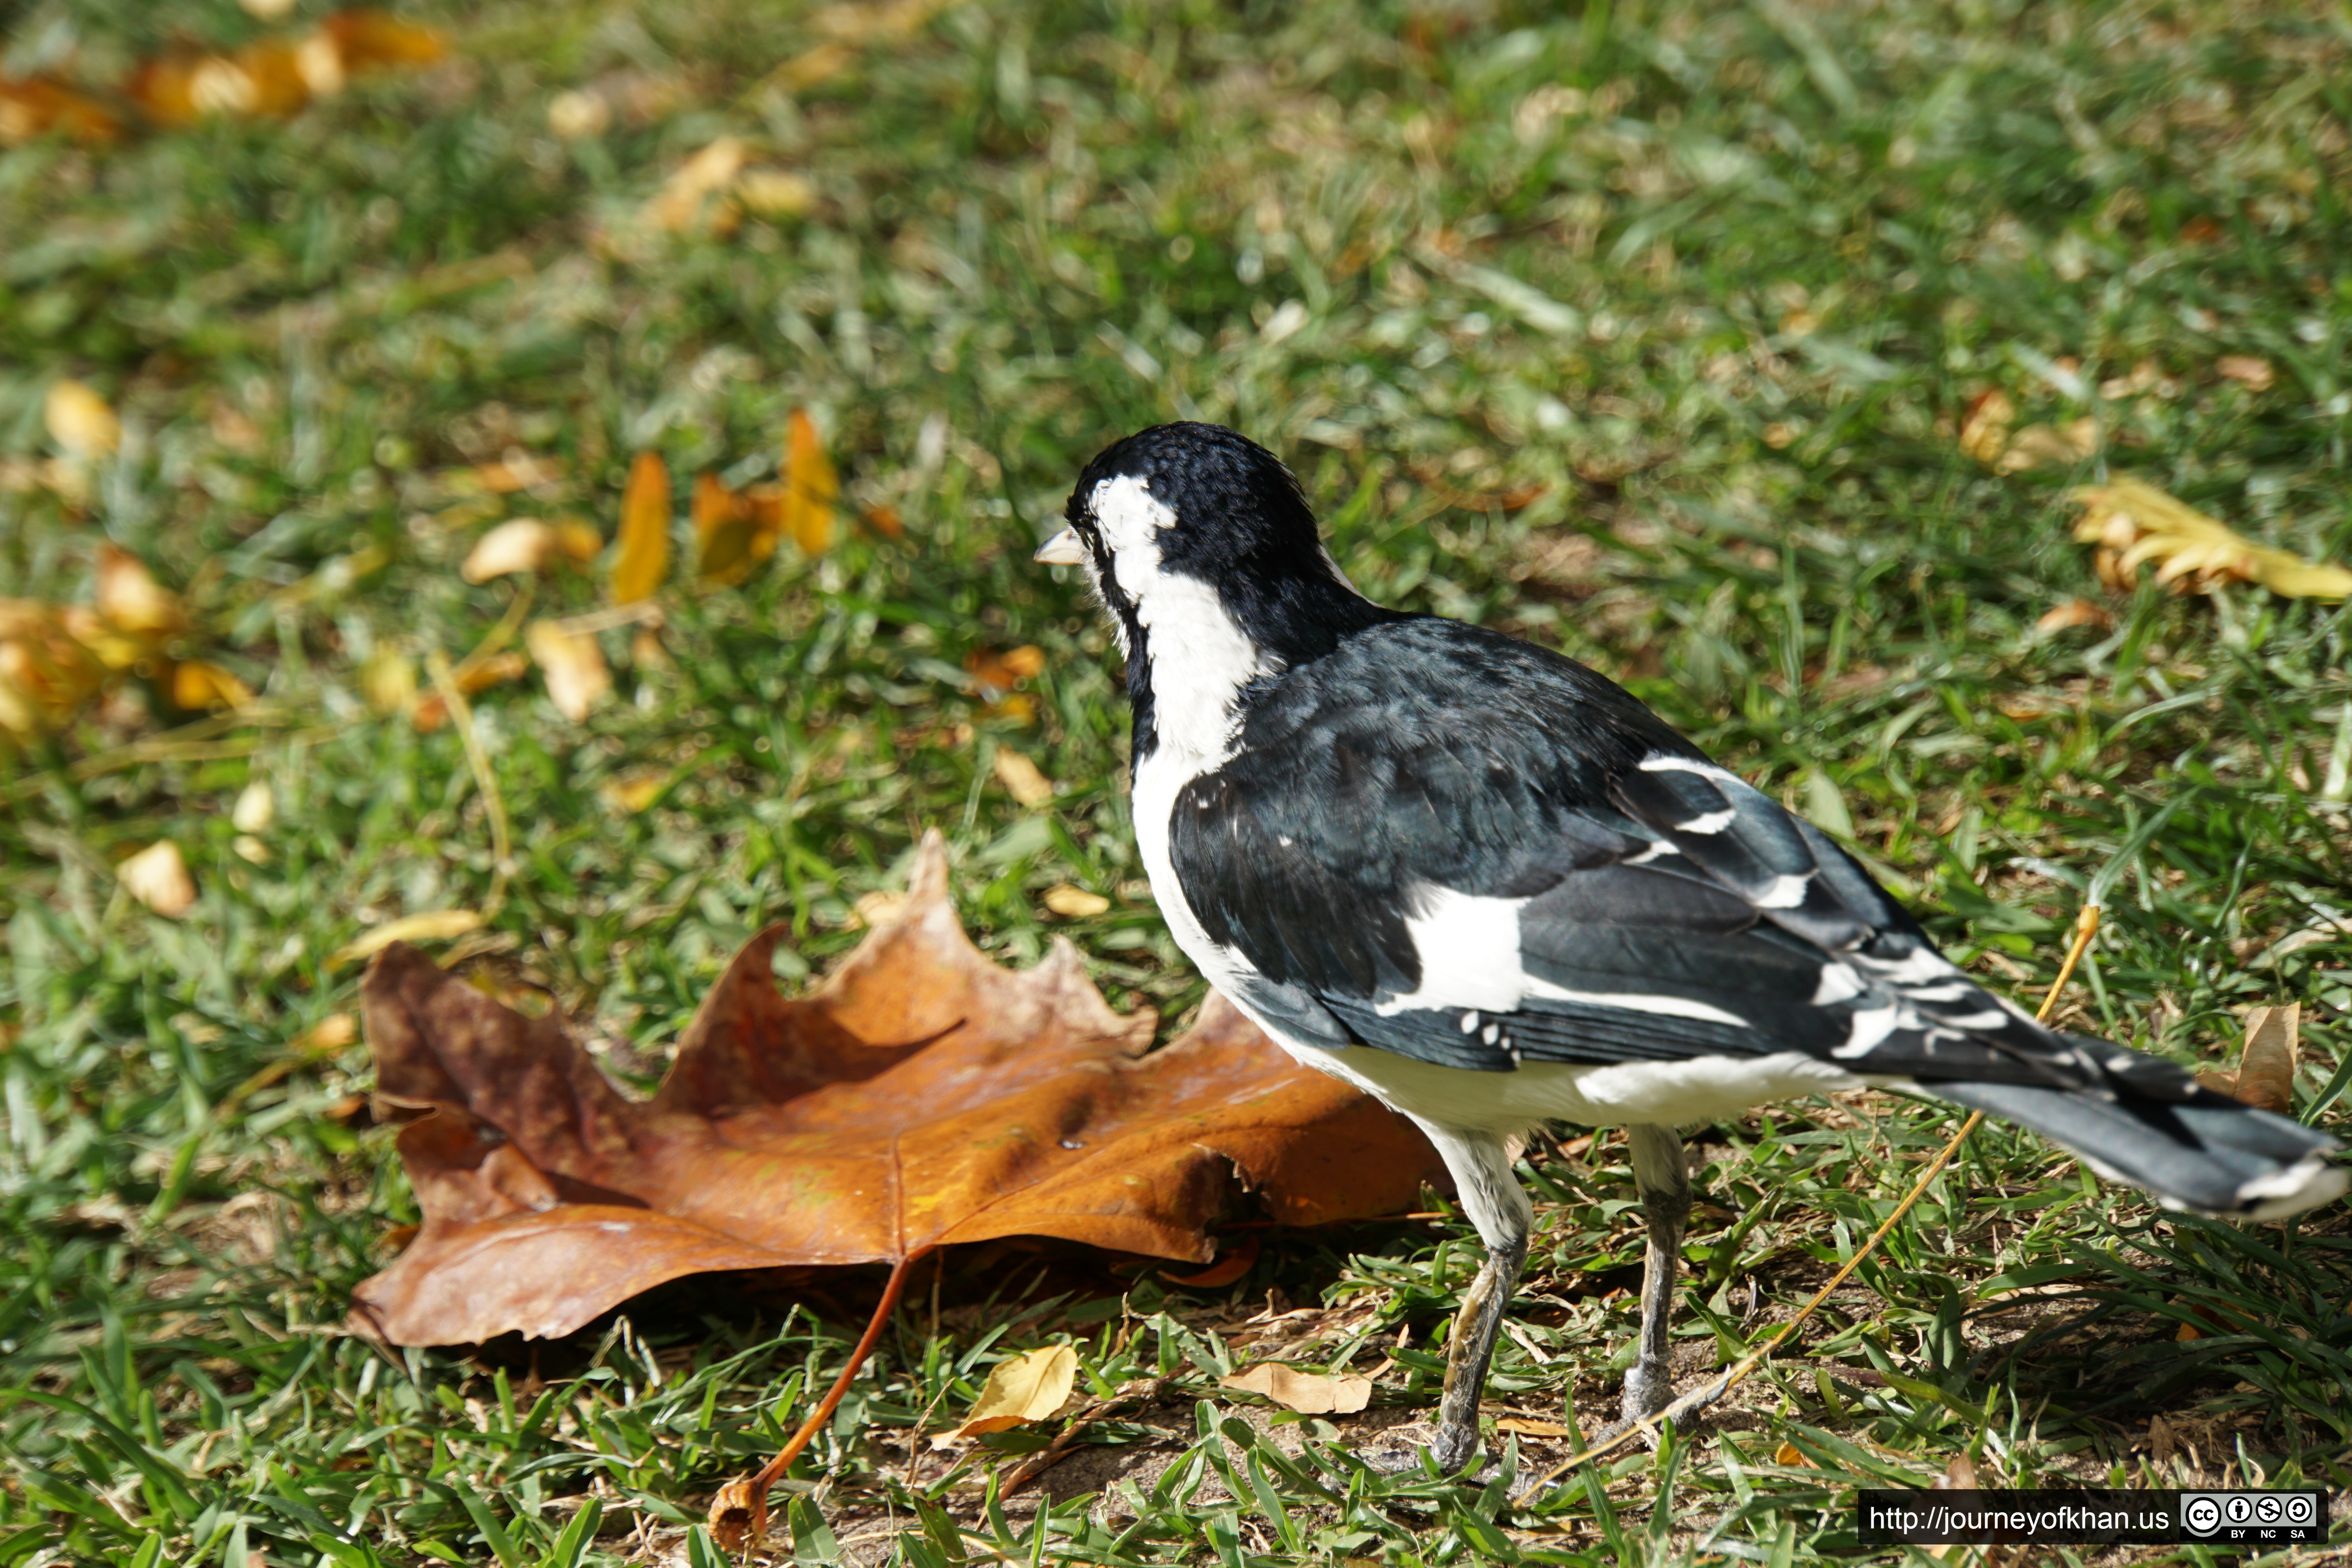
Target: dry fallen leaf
column 131, row 601
column 577, row 115
column 80, row 421
column 1236, row 1261
column 733, row 531
column 159, row 878
column 920, row 1096
column 1021, row 778
column 577, row 678
column 433, row 925
column 1527, row 1427
column 524, row 544
column 774, row 193
column 34, row 105
column 47, row 672
column 1309, row 1393
column 632, row 793
column 202, row 686
column 2131, row 522
column 811, row 484
column 1789, row 1454
column 388, row 680
column 644, row 557
column 2074, row 613
column 255, row 808
column 1029, row 1387
column 998, row 672
column 678, row 205
column 1076, row 903
column 1984, row 434
column 2250, row 369
column 2266, row 1066
column 2049, row 445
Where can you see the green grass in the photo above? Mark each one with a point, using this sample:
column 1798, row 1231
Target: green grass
column 1713, row 284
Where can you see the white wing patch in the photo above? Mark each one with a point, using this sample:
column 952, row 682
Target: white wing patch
column 1469, row 950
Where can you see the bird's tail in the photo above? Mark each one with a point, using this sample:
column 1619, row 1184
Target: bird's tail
column 2203, row 1152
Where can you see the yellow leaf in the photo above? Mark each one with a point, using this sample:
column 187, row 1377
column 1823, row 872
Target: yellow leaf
column 1022, row 778
column 1791, row 1455
column 202, row 686
column 1985, row 434
column 255, row 808
column 577, row 678
column 729, row 538
column 632, row 793
column 577, row 116
column 389, row 679
column 524, row 544
column 47, row 666
column 1027, row 1388
column 159, row 878
column 331, row 1033
column 578, row 540
column 678, row 203
column 79, row 420
column 811, row 484
column 1076, row 903
column 131, row 601
column 644, row 558
column 1309, row 1393
column 438, row 925
column 2131, row 522
column 775, row 193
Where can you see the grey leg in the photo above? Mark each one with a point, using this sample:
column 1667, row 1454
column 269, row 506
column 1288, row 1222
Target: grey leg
column 1490, row 1195
column 1664, row 1183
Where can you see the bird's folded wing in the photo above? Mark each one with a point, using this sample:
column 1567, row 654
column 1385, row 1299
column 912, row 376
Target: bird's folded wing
column 1514, row 862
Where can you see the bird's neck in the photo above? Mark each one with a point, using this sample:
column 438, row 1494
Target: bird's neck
column 1194, row 647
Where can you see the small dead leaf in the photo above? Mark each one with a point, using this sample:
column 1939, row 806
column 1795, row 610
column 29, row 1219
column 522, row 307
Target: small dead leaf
column 632, row 793
column 251, row 850
column 131, row 601
column 811, row 484
column 578, row 116
column 2162, row 1441
column 255, row 808
column 678, row 205
column 46, row 672
column 646, row 650
column 34, row 105
column 1984, row 434
column 1236, row 1262
column 874, row 908
column 1526, row 1427
column 1021, row 1389
column 733, row 531
column 434, row 925
column 1789, row 1454
column 2266, row 1066
column 922, row 1096
column 202, row 686
column 2046, row 446
column 1309, row 1393
column 524, row 544
column 368, row 39
column 388, row 679
column 644, row 558
column 159, row 878
column 331, row 1033
column 2132, row 522
column 2250, row 369
column 1960, row 1475
column 2188, row 1331
column 1076, row 903
column 886, row 522
column 1021, row 778
column 774, row 193
column 80, row 421
column 577, row 678
column 2074, row 613
column 999, row 672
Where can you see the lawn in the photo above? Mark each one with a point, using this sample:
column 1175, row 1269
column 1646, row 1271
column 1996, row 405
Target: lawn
column 1651, row 334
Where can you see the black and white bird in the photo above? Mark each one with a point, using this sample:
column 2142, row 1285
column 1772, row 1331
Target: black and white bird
column 1487, row 886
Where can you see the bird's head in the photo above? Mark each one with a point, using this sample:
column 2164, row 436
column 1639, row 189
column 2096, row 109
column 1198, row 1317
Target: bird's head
column 1179, row 517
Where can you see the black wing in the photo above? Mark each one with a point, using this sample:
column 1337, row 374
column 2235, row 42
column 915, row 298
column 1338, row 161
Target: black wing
column 1444, row 843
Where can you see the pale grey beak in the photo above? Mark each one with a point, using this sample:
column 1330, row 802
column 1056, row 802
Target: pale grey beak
column 1064, row 549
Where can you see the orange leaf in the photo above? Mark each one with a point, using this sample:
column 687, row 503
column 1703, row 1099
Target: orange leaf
column 732, row 532
column 47, row 672
column 644, row 558
column 370, row 40
column 201, row 686
column 811, row 484
column 920, row 1096
column 131, row 601
column 37, row 105
column 1223, row 1272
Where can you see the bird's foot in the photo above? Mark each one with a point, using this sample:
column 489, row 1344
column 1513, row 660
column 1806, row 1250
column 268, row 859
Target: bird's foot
column 1450, row 1449
column 1649, row 1389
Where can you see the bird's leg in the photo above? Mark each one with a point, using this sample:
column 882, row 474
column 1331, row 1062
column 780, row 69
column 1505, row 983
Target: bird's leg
column 1471, row 1347
column 1664, row 1183
column 1491, row 1197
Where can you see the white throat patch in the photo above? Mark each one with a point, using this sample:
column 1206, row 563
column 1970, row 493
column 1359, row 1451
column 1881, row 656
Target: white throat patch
column 1200, row 659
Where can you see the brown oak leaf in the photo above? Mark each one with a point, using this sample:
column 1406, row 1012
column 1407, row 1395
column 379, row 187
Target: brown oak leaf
column 921, row 1095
